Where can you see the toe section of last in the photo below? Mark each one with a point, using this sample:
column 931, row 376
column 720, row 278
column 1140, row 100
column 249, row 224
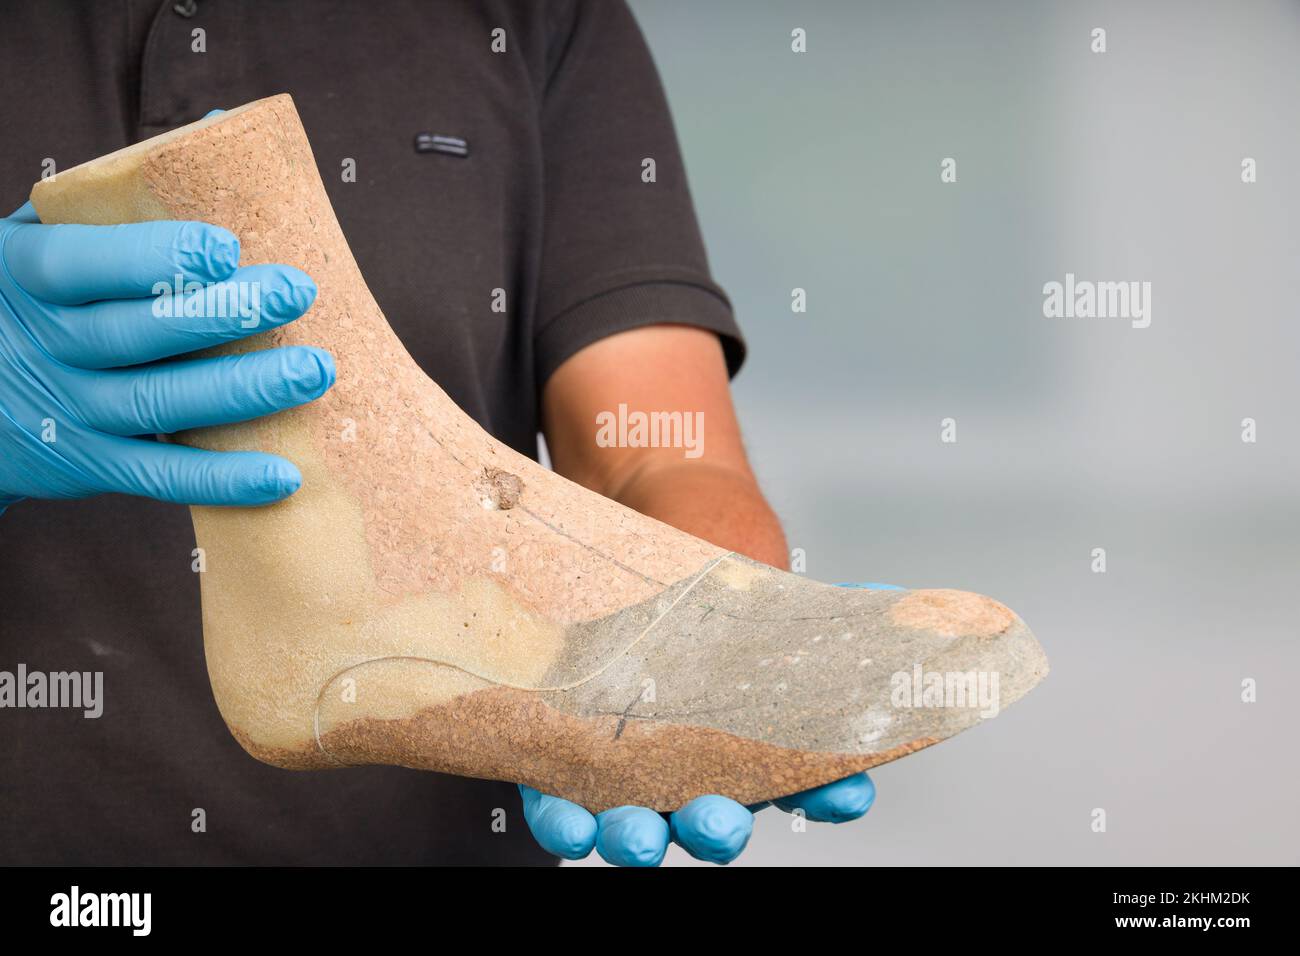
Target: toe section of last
column 776, row 660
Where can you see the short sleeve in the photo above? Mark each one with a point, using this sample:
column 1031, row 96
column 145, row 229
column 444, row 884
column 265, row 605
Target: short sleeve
column 618, row 252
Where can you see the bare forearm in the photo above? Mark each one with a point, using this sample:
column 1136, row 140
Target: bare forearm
column 717, row 504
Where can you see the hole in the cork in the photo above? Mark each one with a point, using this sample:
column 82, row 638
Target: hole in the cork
column 498, row 490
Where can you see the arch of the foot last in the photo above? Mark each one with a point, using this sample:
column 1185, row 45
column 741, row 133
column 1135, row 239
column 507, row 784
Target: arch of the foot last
column 388, row 687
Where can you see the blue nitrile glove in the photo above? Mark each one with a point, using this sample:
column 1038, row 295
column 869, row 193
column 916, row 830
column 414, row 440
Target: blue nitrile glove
column 82, row 331
column 711, row 828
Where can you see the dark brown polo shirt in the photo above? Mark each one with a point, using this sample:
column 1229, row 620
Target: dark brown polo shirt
column 549, row 205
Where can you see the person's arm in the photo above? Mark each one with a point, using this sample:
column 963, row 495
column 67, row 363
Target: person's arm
column 703, row 484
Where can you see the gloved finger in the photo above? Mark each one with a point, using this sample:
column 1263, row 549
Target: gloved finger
column 189, row 476
column 72, row 264
column 712, row 828
column 631, row 836
column 836, row 802
column 213, row 113
column 560, row 828
column 159, row 399
column 133, row 331
column 24, row 213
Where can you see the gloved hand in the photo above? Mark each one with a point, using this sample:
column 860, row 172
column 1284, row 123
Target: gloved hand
column 81, row 333
column 711, row 828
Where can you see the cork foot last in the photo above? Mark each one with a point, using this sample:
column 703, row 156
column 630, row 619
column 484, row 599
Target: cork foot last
column 433, row 599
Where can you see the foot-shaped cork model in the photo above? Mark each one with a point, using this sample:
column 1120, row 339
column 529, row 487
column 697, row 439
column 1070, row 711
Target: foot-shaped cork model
column 431, row 598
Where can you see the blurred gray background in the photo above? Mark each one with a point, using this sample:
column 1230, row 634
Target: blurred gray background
column 821, row 171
